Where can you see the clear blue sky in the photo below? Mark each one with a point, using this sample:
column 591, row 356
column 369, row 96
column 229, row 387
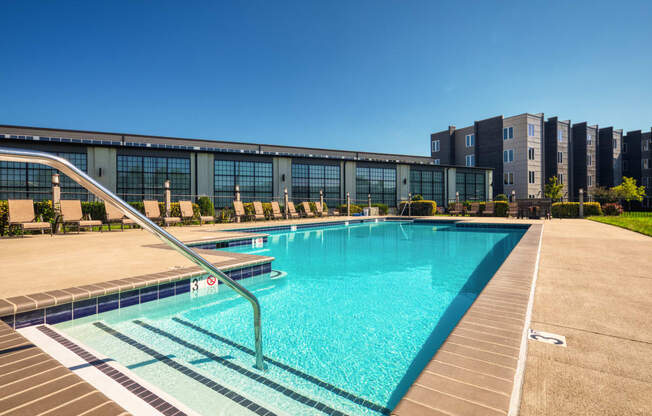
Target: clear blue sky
column 361, row 75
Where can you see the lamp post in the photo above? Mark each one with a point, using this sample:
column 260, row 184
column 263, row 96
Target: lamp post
column 168, row 198
column 56, row 200
column 321, row 202
column 348, row 204
column 581, row 203
column 237, row 198
column 285, row 201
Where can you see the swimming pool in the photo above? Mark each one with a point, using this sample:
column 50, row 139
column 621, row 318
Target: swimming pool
column 351, row 314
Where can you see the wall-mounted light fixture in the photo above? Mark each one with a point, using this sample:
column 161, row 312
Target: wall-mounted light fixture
column 283, row 177
column 100, row 172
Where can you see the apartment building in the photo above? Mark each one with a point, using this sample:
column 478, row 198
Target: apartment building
column 637, row 159
column 585, row 158
column 610, row 144
column 557, row 153
column 513, row 147
column 136, row 167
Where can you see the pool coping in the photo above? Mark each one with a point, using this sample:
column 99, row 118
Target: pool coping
column 478, row 370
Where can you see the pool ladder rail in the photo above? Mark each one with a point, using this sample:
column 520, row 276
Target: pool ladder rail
column 30, row 156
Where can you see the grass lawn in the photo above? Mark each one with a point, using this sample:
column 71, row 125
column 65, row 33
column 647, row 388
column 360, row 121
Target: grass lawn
column 641, row 225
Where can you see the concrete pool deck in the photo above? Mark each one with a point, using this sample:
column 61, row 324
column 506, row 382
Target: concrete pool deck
column 594, row 287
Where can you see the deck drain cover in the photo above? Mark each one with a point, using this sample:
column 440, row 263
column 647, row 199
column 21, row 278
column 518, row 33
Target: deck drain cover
column 547, row 337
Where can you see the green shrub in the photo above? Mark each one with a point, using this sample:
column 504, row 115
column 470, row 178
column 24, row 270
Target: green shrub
column 501, row 208
column 419, row 208
column 206, row 206
column 572, row 209
column 139, row 206
column 4, row 218
column 501, row 197
column 94, row 209
column 612, row 208
column 355, row 209
column 417, row 197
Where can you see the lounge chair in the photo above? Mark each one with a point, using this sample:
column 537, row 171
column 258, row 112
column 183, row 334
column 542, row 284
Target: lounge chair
column 320, row 210
column 292, row 211
column 21, row 214
column 71, row 214
column 458, row 209
column 276, row 211
column 259, row 212
column 113, row 214
column 153, row 212
column 307, row 212
column 489, row 208
column 513, row 209
column 187, row 213
column 240, row 212
column 475, row 209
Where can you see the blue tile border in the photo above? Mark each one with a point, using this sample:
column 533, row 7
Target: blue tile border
column 59, row 313
column 303, row 226
column 87, row 307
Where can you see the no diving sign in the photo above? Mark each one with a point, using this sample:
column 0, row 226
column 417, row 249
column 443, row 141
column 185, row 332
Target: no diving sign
column 202, row 286
column 547, row 337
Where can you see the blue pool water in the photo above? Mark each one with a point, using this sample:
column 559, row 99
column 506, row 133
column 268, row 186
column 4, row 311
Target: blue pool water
column 349, row 325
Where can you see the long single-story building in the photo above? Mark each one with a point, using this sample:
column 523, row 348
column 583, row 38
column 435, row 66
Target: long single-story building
column 136, row 166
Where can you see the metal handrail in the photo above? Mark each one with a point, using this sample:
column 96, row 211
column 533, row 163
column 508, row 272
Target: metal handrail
column 29, row 156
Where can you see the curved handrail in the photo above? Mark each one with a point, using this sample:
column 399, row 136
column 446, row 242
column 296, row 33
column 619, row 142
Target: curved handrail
column 30, row 156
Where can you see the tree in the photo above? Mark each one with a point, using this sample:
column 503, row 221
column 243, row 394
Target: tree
column 628, row 191
column 602, row 194
column 553, row 189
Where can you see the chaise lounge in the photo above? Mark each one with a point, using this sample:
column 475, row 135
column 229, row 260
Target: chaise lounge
column 21, row 214
column 187, row 213
column 475, row 209
column 292, row 210
column 458, row 209
column 276, row 211
column 259, row 212
column 71, row 214
column 239, row 211
column 489, row 209
column 307, row 212
column 114, row 215
column 153, row 212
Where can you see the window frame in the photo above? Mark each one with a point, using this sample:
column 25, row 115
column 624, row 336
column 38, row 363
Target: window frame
column 470, row 140
column 508, row 133
column 436, row 146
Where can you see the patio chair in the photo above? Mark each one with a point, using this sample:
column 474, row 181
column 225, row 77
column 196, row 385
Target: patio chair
column 320, row 210
column 458, row 209
column 475, row 209
column 307, row 212
column 276, row 211
column 513, row 209
column 71, row 214
column 153, row 212
column 292, row 211
column 187, row 213
column 489, row 208
column 21, row 214
column 259, row 212
column 239, row 211
column 113, row 215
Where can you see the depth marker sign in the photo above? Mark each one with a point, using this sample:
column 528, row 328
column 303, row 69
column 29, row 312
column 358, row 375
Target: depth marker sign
column 547, row 337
